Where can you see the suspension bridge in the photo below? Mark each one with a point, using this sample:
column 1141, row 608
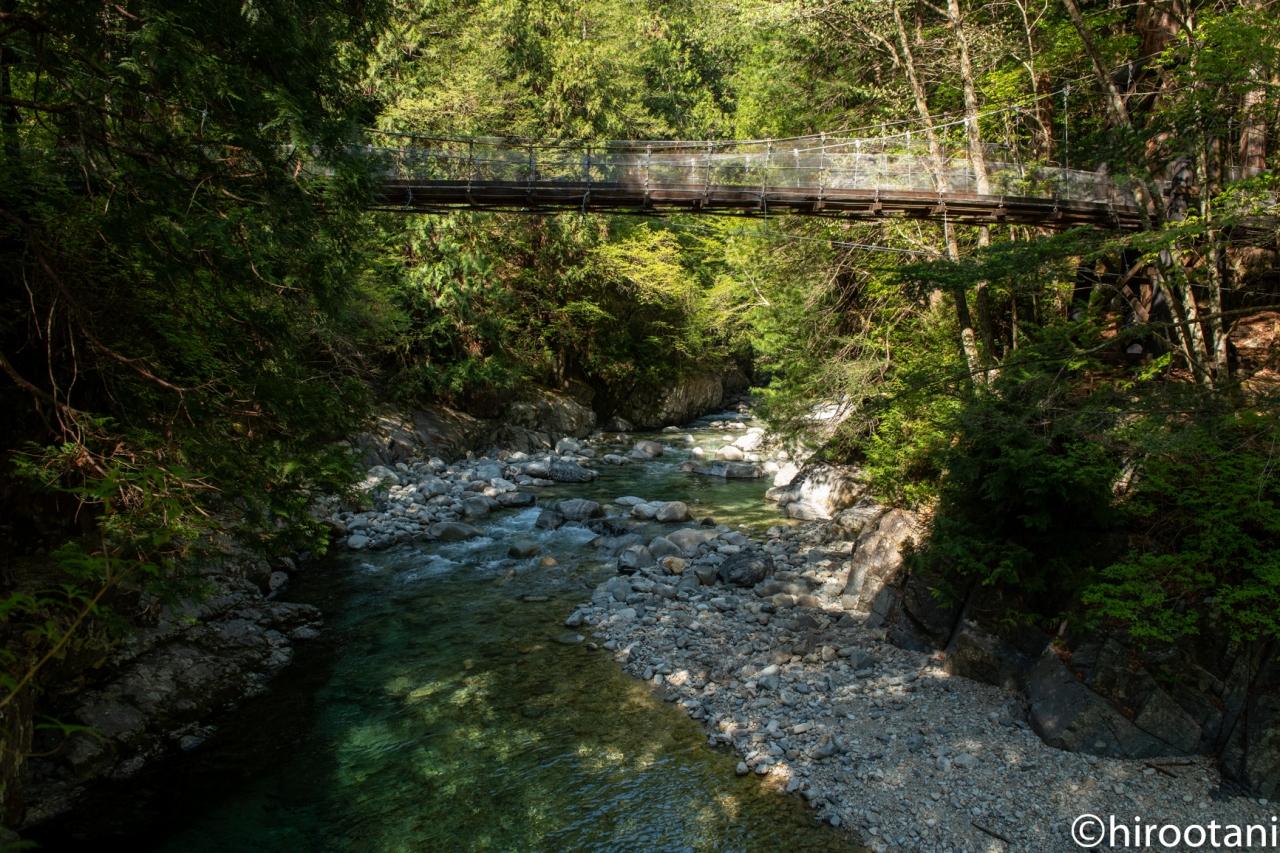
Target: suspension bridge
column 878, row 178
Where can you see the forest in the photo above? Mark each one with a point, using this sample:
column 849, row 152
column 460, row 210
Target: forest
column 205, row 300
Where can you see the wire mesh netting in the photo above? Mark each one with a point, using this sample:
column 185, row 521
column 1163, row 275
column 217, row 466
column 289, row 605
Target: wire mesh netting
column 901, row 163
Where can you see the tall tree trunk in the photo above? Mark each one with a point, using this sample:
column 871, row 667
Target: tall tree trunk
column 981, row 178
column 10, row 118
column 1171, row 273
column 1253, row 127
column 968, row 340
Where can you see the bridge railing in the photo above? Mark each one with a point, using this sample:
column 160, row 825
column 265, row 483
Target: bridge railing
column 816, row 164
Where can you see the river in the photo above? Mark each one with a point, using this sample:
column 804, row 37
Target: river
column 446, row 707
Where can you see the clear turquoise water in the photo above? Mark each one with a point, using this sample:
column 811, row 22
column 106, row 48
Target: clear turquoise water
column 441, row 712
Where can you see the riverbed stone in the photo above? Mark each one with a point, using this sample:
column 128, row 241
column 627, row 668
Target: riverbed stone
column 579, row 509
column 634, row 558
column 452, row 531
column 661, row 546
column 523, row 548
column 673, row 565
column 746, row 569
column 549, row 519
column 648, row 449
column 687, row 539
column 477, row 507
column 562, row 471
column 672, row 511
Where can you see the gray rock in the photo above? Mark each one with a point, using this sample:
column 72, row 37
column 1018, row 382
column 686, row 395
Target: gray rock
column 660, row 547
column 357, row 541
column 568, row 445
column 524, row 548
column 687, row 539
column 569, row 472
column 515, row 499
column 579, row 509
column 746, row 569
column 647, row 448
column 477, row 507
column 619, row 424
column 1070, row 716
column 549, row 519
column 1164, row 718
column 634, row 558
column 730, row 470
column 819, row 491
column 706, row 574
column 618, row 587
column 675, row 404
column 452, row 531
column 551, row 412
column 672, row 511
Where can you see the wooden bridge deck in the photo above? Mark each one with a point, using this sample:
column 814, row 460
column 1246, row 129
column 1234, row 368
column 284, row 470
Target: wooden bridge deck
column 897, row 176
column 409, row 195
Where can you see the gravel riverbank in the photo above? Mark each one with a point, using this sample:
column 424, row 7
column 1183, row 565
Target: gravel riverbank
column 876, row 738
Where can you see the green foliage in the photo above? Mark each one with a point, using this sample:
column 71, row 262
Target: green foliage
column 1205, row 508
column 178, row 349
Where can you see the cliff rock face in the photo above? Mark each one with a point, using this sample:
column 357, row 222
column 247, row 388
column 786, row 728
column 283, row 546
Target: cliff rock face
column 1091, row 692
column 398, row 437
column 169, row 682
column 678, row 403
column 550, row 412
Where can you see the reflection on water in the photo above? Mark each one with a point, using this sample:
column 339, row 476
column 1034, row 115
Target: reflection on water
column 443, row 710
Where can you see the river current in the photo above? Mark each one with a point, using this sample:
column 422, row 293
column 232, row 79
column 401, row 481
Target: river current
column 447, row 708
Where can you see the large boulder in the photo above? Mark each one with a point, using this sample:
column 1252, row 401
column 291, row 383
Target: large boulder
column 661, row 546
column 820, row 491
column 687, row 539
column 579, row 509
column 633, row 559
column 785, row 474
column 745, row 569
column 432, row 431
column 521, row 439
column 752, row 441
column 569, row 472
column 677, row 403
column 550, row 412
column 876, row 565
column 1252, row 754
column 848, row 525
column 647, row 449
column 452, row 531
column 1068, row 715
column 672, row 511
column 730, row 470
column 973, row 653
column 549, row 519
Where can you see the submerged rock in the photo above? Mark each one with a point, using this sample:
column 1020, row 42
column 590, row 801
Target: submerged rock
column 523, row 548
column 579, row 509
column 648, row 449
